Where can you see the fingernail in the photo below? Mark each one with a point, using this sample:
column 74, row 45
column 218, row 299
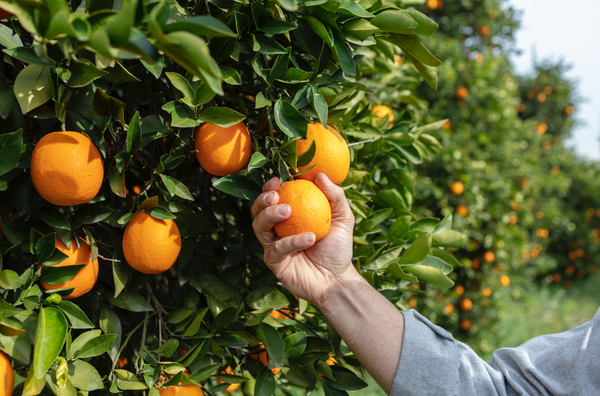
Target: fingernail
column 282, row 210
column 269, row 197
column 310, row 238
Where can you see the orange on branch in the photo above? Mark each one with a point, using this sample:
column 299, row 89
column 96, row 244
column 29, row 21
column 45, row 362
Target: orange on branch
column 462, row 92
column 489, row 257
column 465, row 324
column 231, row 387
column 311, row 211
column 151, row 245
column 457, row 188
column 332, row 156
column 466, row 304
column 381, row 111
column 504, row 280
column 260, row 354
column 462, row 210
column 180, row 390
column 449, row 309
column 460, row 290
column 66, row 168
column 86, row 278
column 7, row 376
column 223, row 151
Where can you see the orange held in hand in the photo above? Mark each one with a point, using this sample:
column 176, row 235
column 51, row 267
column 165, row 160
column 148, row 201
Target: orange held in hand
column 66, row 168
column 311, row 211
column 86, row 278
column 332, row 156
column 381, row 111
column 231, row 387
column 223, row 151
column 151, row 245
column 7, row 376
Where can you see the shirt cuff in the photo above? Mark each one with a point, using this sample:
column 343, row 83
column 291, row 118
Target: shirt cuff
column 428, row 362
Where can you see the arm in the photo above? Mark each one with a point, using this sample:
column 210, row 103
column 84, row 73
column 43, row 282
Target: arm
column 323, row 274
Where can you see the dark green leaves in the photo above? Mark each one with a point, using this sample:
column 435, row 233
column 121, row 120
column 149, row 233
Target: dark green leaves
column 238, row 186
column 201, row 25
column 290, row 120
column 418, row 250
column 395, row 21
column 10, row 150
column 33, row 87
column 134, row 134
column 274, row 344
column 49, row 339
column 221, row 116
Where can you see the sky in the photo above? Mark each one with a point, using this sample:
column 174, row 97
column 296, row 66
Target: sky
column 554, row 29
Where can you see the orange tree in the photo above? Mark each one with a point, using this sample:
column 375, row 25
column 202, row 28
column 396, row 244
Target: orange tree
column 153, row 85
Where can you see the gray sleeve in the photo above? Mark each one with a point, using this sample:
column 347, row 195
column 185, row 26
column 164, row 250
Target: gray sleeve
column 432, row 362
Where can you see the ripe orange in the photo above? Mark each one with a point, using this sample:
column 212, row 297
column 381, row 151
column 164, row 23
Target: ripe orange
column 181, row 390
column 381, row 111
column 311, row 211
column 449, row 309
column 231, row 387
column 484, row 30
column 332, row 156
column 434, row 4
column 486, row 291
column 137, row 190
column 489, row 257
column 466, row 304
column 7, row 376
column 151, row 246
column 447, row 125
column 261, row 355
column 462, row 92
column 284, row 313
column 465, row 324
column 457, row 188
column 66, row 168
column 462, row 210
column 460, row 290
column 504, row 280
column 331, row 361
column 223, row 151
column 475, row 265
column 569, row 110
column 86, row 278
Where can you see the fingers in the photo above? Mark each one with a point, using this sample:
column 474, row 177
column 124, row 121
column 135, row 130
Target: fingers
column 282, row 248
column 268, row 198
column 266, row 220
column 335, row 194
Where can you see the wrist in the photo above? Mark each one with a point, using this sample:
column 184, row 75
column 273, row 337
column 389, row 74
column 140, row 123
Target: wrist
column 340, row 291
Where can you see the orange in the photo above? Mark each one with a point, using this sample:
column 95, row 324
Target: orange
column 466, row 304
column 462, row 92
column 465, row 324
column 412, row 303
column 484, row 30
column 570, row 109
column 7, row 376
column 434, row 4
column 181, row 390
column 398, row 61
column 137, row 190
column 86, row 278
column 457, row 188
column 231, row 387
column 504, row 280
column 489, row 257
column 311, row 211
column 449, row 309
column 223, row 151
column 381, row 111
column 261, row 355
column 460, row 290
column 332, row 156
column 151, row 245
column 486, row 291
column 462, row 210
column 475, row 264
column 447, row 125
column 123, row 361
column 66, row 168
column 331, row 361
column 283, row 313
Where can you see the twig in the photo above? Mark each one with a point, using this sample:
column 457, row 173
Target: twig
column 107, row 259
column 123, row 345
column 364, row 141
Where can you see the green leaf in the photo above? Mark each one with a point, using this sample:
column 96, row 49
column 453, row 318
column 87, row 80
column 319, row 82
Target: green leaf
column 399, row 227
column 77, row 318
column 116, row 180
column 49, row 340
column 446, row 256
column 429, row 73
column 54, row 219
column 181, row 119
column 176, row 188
column 395, row 21
column 306, row 157
column 129, row 301
column 96, row 346
column 7, row 100
column 359, row 29
column 277, row 27
column 231, row 76
column 33, row 87
column 27, row 55
column 268, row 46
column 265, row 383
column 383, row 260
column 320, row 105
column 238, row 186
column 222, row 319
column 344, row 54
column 290, row 120
column 273, row 343
column 84, row 376
column 44, row 247
column 80, row 341
column 350, row 7
column 261, row 101
column 411, row 45
column 266, row 297
column 182, row 86
column 418, row 250
column 110, row 324
column 201, row 26
column 426, row 27
column 18, row 347
column 430, row 274
column 295, row 345
column 346, row 379
column 168, row 348
column 221, row 116
column 158, row 212
column 83, row 72
column 9, row 280
column 257, row 161
column 54, row 275
column 450, row 238
column 203, row 373
column 134, row 134
column 8, row 38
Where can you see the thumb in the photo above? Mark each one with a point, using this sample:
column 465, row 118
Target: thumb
column 340, row 210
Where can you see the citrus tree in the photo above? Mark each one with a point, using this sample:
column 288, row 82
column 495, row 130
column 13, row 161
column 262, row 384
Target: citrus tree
column 127, row 266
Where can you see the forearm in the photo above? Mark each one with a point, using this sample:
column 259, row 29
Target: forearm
column 370, row 325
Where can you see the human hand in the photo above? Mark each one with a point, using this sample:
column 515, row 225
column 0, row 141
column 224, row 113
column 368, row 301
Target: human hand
column 307, row 269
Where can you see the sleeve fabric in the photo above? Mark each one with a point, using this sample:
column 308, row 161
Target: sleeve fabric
column 432, row 363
